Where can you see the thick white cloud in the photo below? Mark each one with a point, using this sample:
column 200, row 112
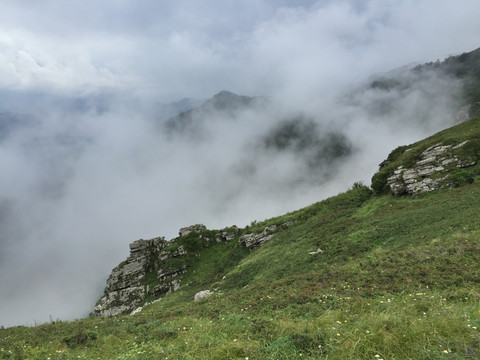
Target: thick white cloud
column 170, row 49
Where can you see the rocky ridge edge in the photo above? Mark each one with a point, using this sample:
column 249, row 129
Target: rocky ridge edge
column 153, row 268
column 431, row 170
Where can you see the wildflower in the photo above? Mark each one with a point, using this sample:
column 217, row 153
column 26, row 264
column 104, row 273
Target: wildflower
column 474, row 327
column 446, row 351
column 338, row 334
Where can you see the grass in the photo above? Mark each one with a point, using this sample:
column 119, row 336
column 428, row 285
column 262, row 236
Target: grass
column 397, row 278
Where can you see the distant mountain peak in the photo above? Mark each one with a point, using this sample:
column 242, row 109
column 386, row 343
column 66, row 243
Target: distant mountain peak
column 225, row 93
column 226, row 103
column 228, row 100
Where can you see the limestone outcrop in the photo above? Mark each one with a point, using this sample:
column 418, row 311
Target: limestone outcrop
column 145, row 274
column 227, row 234
column 429, row 172
column 156, row 267
column 192, row 228
column 254, row 240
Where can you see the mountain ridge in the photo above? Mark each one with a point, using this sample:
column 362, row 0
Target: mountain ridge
column 225, row 103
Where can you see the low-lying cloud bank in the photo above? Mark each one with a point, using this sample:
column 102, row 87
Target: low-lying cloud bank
column 89, row 165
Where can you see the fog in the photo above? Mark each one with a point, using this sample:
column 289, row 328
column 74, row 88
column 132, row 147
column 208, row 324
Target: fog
column 86, row 90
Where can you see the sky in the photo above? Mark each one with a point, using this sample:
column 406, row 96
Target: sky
column 83, row 83
column 174, row 49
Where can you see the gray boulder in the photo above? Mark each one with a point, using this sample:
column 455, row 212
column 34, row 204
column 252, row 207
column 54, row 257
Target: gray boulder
column 202, row 294
column 192, row 228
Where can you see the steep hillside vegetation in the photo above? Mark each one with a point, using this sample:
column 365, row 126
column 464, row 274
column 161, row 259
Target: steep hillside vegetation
column 357, row 276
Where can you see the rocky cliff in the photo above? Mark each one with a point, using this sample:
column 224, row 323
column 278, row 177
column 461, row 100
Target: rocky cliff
column 447, row 159
column 143, row 275
column 430, row 172
column 156, row 267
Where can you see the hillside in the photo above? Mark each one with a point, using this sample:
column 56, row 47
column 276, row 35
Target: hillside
column 361, row 275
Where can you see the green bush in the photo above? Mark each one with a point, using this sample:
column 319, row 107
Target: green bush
column 461, row 177
column 470, row 151
column 379, row 181
column 81, row 338
column 396, row 153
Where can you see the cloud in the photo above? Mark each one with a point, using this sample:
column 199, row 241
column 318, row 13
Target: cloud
column 171, row 50
column 87, row 170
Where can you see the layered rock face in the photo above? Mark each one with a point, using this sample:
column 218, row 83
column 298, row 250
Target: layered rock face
column 141, row 275
column 430, row 172
column 254, row 240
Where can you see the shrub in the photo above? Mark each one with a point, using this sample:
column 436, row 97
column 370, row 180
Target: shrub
column 470, row 151
column 379, row 181
column 81, row 338
column 358, row 184
column 396, row 153
column 461, row 177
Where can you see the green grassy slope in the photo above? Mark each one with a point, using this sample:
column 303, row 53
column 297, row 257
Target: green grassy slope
column 397, row 278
